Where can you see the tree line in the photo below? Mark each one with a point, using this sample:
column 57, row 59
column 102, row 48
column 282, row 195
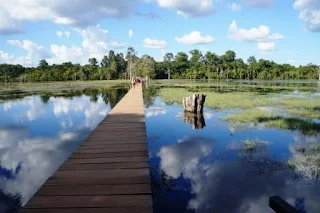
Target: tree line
column 196, row 65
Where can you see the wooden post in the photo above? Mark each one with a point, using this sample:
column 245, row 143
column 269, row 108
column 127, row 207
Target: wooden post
column 281, row 206
column 194, row 103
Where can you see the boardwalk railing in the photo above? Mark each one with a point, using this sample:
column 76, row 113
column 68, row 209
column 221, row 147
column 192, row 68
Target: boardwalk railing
column 109, row 172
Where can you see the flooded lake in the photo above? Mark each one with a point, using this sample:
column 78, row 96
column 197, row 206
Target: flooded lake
column 247, row 146
column 39, row 132
column 254, row 140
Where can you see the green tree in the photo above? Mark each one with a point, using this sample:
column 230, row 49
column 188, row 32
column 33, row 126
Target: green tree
column 180, row 64
column 146, row 67
column 93, row 62
column 131, row 60
column 167, row 60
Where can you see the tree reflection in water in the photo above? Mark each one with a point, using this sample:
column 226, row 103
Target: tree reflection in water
column 195, row 119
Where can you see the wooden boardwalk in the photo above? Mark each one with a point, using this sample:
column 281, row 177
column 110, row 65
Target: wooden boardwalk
column 109, row 172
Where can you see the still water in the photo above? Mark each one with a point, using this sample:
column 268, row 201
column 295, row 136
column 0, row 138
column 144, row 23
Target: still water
column 198, row 163
column 39, row 132
column 201, row 164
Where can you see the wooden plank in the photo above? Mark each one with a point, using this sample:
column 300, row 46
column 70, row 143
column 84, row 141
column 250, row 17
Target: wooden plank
column 102, row 173
column 48, row 190
column 109, row 172
column 144, row 209
column 108, row 155
column 113, row 146
column 90, row 201
column 105, row 166
column 89, row 180
column 105, row 160
column 131, row 149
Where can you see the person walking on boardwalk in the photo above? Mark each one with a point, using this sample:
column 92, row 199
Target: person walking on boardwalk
column 133, row 82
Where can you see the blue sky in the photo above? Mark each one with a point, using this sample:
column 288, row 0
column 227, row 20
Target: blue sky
column 284, row 31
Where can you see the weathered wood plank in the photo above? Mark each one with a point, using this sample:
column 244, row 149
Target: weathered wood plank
column 89, row 201
column 108, row 155
column 48, row 190
column 113, row 146
column 105, row 166
column 105, row 160
column 131, row 149
column 98, row 180
column 144, row 209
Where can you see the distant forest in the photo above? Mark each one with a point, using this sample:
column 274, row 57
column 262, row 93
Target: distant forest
column 179, row 66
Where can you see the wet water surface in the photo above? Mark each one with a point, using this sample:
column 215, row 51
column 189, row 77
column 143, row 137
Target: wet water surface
column 209, row 164
column 39, row 132
column 252, row 141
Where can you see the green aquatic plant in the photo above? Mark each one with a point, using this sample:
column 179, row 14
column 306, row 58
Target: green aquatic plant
column 291, row 163
column 251, row 145
column 247, row 116
column 304, row 126
column 267, row 119
column 243, row 99
column 309, row 113
column 306, row 160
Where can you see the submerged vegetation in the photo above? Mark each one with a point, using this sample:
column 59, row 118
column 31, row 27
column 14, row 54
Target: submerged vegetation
column 306, row 160
column 241, row 99
column 251, row 145
column 269, row 119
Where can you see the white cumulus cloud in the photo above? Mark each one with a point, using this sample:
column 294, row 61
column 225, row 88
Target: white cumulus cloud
column 261, row 33
column 195, row 37
column 62, row 54
column 60, row 34
column 309, row 13
column 13, row 59
column 266, row 46
column 34, row 52
column 95, row 43
column 234, row 6
column 154, row 44
column 131, row 33
column 8, row 25
column 192, row 8
column 79, row 13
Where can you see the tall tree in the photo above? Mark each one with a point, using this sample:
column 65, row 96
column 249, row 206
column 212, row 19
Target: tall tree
column 131, row 56
column 93, row 62
column 181, row 63
column 122, row 65
column 167, row 60
column 43, row 64
column 211, row 61
column 196, row 64
column 105, row 61
column 146, row 67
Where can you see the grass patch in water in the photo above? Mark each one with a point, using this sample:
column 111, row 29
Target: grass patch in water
column 291, row 163
column 217, row 100
column 252, row 144
column 306, row 160
column 309, row 113
column 256, row 116
column 248, row 116
column 243, row 100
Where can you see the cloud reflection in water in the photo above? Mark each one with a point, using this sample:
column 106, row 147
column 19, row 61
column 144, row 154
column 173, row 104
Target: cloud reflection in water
column 37, row 137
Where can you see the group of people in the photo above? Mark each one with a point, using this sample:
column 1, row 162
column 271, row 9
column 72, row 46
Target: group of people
column 135, row 81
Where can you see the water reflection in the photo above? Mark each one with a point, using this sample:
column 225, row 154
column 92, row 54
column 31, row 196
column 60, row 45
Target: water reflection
column 210, row 170
column 37, row 134
column 195, row 119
